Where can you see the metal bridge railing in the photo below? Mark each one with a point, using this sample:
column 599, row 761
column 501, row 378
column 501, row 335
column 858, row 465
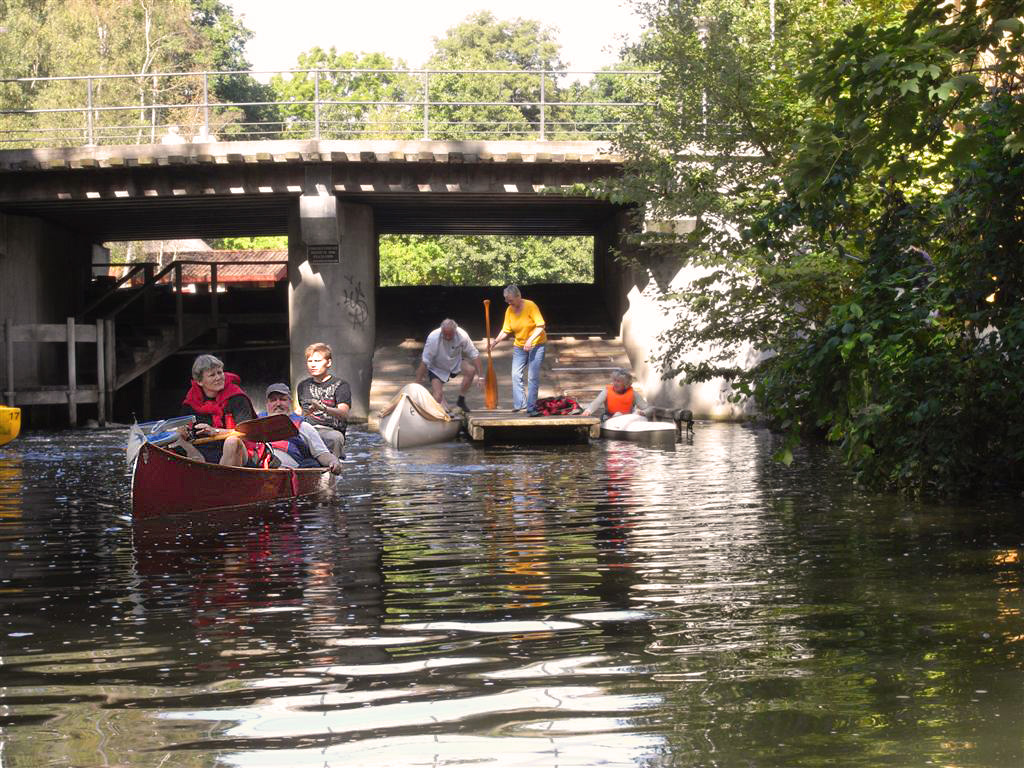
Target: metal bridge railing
column 178, row 107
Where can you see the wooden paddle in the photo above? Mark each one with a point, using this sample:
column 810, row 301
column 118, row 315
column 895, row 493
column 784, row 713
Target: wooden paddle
column 491, row 385
column 264, row 430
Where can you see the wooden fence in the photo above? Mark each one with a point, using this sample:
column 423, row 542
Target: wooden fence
column 73, row 393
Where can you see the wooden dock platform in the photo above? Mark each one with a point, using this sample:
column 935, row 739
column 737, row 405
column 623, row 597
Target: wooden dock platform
column 504, row 426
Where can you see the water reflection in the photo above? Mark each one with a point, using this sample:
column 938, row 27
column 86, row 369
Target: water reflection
column 581, row 605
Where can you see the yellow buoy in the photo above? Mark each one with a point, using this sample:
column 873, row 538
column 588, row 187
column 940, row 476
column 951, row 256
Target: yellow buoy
column 10, row 423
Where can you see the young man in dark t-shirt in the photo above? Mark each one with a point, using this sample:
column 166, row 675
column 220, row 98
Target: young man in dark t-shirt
column 325, row 399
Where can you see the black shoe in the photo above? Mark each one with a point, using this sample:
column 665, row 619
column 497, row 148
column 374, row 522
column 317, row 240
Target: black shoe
column 461, row 402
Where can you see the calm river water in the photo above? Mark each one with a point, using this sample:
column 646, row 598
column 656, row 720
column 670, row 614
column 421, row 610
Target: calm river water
column 575, row 606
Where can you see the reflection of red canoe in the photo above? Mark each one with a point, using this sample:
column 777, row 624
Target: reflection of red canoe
column 164, row 483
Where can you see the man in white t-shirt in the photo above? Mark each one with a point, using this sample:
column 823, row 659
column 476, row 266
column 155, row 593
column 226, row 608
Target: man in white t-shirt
column 447, row 352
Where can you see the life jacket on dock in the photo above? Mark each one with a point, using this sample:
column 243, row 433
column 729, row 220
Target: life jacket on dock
column 558, row 406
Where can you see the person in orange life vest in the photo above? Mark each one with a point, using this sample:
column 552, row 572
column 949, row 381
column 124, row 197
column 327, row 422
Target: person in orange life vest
column 306, row 449
column 618, row 397
column 218, row 402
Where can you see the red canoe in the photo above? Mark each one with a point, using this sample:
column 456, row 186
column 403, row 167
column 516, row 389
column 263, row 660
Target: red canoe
column 164, row 483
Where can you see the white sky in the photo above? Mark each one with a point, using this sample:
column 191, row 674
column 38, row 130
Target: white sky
column 590, row 31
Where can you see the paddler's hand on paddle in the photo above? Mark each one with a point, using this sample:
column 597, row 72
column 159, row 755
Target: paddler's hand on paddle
column 201, row 429
column 183, row 443
column 189, row 433
column 313, row 408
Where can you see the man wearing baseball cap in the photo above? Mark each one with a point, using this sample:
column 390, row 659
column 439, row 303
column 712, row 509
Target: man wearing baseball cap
column 307, row 448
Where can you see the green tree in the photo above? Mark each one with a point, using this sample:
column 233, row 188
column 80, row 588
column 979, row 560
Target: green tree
column 119, row 38
column 258, row 243
column 24, row 53
column 614, row 100
column 504, row 104
column 501, row 104
column 132, row 40
column 484, row 260
column 226, row 37
column 915, row 164
column 855, row 216
column 722, row 126
column 355, row 104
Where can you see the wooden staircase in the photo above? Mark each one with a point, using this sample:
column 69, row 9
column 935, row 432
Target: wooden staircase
column 142, row 347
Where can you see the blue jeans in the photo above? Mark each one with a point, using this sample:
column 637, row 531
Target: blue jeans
column 528, row 364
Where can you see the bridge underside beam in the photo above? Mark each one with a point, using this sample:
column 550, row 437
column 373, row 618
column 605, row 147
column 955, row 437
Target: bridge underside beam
column 165, row 192
column 226, row 216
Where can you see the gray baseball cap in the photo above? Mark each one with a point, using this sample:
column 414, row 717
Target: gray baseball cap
column 283, row 389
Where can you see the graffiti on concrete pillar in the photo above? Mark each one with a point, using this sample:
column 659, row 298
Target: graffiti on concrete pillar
column 355, row 302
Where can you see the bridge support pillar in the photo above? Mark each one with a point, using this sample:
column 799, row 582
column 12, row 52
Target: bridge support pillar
column 332, row 277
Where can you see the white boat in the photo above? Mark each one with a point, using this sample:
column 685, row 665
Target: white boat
column 636, row 428
column 414, row 417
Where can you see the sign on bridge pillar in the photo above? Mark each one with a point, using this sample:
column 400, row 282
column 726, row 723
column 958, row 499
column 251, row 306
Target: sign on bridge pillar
column 331, row 286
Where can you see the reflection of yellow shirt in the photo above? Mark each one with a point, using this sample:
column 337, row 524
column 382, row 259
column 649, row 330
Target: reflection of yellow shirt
column 523, row 324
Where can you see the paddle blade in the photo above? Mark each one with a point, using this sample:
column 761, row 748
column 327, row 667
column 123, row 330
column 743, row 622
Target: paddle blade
column 264, row 430
column 491, row 388
column 491, row 381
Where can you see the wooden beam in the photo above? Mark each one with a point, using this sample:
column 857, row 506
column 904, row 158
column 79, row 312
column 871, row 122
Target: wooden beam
column 101, row 375
column 51, row 332
column 55, row 396
column 110, row 354
column 9, row 343
column 72, row 374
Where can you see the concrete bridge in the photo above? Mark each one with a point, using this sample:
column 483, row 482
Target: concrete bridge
column 332, row 198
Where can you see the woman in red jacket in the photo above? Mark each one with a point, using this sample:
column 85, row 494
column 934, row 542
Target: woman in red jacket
column 218, row 402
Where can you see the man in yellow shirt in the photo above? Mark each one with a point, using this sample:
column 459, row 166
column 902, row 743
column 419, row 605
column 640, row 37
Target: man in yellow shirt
column 524, row 322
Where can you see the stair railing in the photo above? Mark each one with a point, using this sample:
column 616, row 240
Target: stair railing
column 173, row 272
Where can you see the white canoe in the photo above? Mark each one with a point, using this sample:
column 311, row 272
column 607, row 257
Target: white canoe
column 414, row 418
column 636, row 428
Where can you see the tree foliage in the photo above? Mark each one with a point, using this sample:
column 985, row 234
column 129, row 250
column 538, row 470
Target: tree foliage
column 860, row 220
column 724, row 121
column 513, row 49
column 361, row 104
column 257, row 243
column 484, row 260
column 133, row 39
column 916, row 165
column 226, row 37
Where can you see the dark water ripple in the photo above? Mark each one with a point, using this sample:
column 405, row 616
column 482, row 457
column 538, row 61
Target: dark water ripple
column 561, row 606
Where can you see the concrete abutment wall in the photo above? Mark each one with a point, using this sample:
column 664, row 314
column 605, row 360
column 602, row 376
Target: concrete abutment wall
column 44, row 271
column 632, row 284
column 330, row 299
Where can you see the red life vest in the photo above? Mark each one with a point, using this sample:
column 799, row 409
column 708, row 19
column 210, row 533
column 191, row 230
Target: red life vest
column 293, row 446
column 216, row 407
column 616, row 403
